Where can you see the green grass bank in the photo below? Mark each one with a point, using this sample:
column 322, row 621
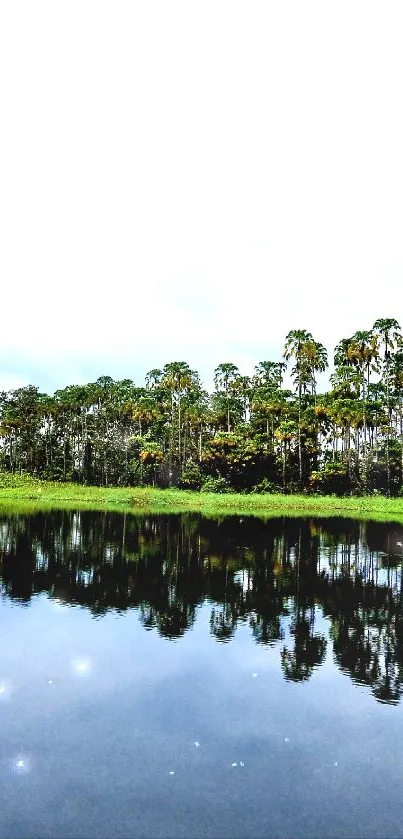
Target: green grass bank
column 26, row 494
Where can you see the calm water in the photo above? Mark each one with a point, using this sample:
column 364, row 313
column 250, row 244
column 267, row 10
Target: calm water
column 176, row 676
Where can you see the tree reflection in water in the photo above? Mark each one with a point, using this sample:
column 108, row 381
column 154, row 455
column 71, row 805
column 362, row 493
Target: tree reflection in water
column 278, row 577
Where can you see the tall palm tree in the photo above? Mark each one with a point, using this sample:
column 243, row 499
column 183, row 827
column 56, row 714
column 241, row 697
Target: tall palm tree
column 178, row 378
column 226, row 376
column 388, row 330
column 294, row 348
column 315, row 356
column 359, row 355
column 145, row 410
column 310, row 357
column 286, row 432
column 396, row 374
column 269, row 374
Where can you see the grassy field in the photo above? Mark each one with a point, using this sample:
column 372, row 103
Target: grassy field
column 23, row 493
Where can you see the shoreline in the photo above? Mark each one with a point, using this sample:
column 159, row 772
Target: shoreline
column 36, row 495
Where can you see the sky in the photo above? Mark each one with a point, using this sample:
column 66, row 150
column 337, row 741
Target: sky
column 192, row 180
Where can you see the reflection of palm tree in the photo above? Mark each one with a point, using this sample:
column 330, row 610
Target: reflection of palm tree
column 222, row 623
column 170, row 564
column 389, row 686
column 367, row 642
column 353, row 649
column 265, row 630
column 175, row 620
column 308, row 652
column 148, row 616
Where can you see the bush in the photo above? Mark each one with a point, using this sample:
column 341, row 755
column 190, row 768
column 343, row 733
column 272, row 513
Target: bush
column 265, row 485
column 218, row 484
column 191, row 477
column 10, row 480
column 333, row 478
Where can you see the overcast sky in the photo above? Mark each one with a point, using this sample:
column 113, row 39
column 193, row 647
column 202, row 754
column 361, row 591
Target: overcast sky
column 191, row 180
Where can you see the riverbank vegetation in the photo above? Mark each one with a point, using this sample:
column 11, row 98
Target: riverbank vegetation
column 250, row 435
column 22, row 493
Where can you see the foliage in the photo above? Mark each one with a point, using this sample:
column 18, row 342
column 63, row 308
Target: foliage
column 191, row 476
column 266, row 486
column 37, row 495
column 218, row 484
column 333, row 478
column 251, row 433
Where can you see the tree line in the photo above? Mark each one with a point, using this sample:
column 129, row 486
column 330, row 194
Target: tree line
column 251, row 434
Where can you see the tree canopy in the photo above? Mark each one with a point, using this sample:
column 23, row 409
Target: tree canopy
column 250, row 433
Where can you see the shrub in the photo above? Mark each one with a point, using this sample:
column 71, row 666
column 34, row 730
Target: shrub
column 191, row 477
column 218, row 484
column 266, row 486
column 10, row 480
column 333, row 478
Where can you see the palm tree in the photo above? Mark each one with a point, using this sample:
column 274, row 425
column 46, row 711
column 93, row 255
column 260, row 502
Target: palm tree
column 285, row 433
column 226, row 376
column 178, row 378
column 196, row 409
column 310, row 357
column 145, row 410
column 355, row 359
column 388, row 330
column 153, row 378
column 315, row 356
column 269, row 375
column 294, row 348
column 242, row 389
column 396, row 373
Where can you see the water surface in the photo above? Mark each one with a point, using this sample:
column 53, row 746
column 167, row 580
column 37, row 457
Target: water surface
column 186, row 677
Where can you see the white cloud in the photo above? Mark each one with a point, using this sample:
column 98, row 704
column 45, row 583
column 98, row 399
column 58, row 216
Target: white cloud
column 191, row 181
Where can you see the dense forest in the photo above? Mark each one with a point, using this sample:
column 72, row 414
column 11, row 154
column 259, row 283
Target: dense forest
column 250, row 434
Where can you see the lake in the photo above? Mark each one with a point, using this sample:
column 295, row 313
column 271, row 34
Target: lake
column 180, row 676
